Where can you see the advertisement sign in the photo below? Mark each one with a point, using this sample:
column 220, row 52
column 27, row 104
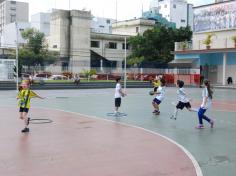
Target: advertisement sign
column 215, row 17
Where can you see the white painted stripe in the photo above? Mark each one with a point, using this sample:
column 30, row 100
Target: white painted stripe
column 191, row 157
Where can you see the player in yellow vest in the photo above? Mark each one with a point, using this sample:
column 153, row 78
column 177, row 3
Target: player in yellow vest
column 156, row 83
column 24, row 96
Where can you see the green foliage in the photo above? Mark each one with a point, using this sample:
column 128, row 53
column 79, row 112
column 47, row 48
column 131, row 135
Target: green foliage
column 157, row 44
column 89, row 73
column 134, row 61
column 208, row 39
column 35, row 51
column 184, row 44
column 234, row 38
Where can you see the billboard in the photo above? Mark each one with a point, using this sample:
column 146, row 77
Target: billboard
column 215, row 17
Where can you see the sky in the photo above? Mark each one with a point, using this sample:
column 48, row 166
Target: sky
column 126, row 9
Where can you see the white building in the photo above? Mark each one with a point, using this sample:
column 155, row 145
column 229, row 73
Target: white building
column 132, row 27
column 176, row 11
column 8, row 37
column 102, row 25
column 11, row 11
column 218, row 60
column 41, row 22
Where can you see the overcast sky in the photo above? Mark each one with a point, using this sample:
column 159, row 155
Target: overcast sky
column 127, row 9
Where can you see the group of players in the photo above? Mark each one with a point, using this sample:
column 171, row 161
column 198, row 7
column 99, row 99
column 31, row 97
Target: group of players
column 183, row 99
column 25, row 94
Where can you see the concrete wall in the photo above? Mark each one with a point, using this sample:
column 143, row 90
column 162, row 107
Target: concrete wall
column 59, row 39
column 222, row 39
column 80, row 38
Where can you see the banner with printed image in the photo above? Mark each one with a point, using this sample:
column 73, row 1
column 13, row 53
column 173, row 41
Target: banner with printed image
column 215, row 17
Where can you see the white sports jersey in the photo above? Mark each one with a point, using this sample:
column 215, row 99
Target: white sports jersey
column 209, row 100
column 161, row 95
column 117, row 91
column 181, row 95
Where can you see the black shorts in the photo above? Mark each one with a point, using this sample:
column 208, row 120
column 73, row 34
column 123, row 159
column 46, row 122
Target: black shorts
column 117, row 102
column 24, row 110
column 181, row 105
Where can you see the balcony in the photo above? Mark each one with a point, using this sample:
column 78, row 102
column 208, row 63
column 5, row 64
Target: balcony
column 222, row 43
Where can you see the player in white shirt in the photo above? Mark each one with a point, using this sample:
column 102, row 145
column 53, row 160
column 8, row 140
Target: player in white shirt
column 183, row 99
column 118, row 94
column 159, row 98
column 206, row 104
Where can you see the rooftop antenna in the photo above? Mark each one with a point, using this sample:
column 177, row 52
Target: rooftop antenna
column 116, row 12
column 142, row 11
column 69, row 4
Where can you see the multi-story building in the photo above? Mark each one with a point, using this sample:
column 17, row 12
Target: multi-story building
column 81, row 48
column 215, row 55
column 132, row 27
column 41, row 22
column 177, row 11
column 102, row 25
column 12, row 11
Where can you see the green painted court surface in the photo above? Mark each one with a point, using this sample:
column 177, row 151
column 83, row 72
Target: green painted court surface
column 214, row 149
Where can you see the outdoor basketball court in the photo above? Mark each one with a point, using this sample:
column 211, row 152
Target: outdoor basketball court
column 83, row 140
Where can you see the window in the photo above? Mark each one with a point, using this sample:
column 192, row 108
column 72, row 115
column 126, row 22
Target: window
column 165, row 6
column 174, row 6
column 137, row 29
column 13, row 8
column 95, row 44
column 21, row 30
column 108, row 21
column 101, row 26
column 13, row 2
column 127, row 46
column 54, row 46
column 13, row 18
column 182, row 21
column 112, row 45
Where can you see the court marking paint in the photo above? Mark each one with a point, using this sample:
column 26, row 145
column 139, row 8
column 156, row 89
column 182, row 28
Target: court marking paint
column 189, row 155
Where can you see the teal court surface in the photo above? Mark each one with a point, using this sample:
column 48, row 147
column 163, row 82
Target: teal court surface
column 83, row 140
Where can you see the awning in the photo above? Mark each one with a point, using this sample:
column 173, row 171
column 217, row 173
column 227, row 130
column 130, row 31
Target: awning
column 182, row 63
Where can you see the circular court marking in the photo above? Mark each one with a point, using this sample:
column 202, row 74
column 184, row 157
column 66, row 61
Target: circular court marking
column 39, row 121
column 118, row 114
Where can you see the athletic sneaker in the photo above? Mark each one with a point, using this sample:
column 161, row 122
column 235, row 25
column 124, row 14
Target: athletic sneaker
column 212, row 123
column 25, row 130
column 199, row 127
column 155, row 111
column 158, row 113
column 173, row 117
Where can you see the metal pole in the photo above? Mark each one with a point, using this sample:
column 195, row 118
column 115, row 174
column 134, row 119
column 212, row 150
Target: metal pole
column 125, row 65
column 17, row 58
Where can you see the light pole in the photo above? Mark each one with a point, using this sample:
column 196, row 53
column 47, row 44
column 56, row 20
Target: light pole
column 17, row 58
column 125, row 64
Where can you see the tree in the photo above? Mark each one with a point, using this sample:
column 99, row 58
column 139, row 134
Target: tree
column 157, row 44
column 135, row 61
column 89, row 73
column 35, row 52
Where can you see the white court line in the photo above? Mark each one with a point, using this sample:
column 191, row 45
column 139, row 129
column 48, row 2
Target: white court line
column 191, row 157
